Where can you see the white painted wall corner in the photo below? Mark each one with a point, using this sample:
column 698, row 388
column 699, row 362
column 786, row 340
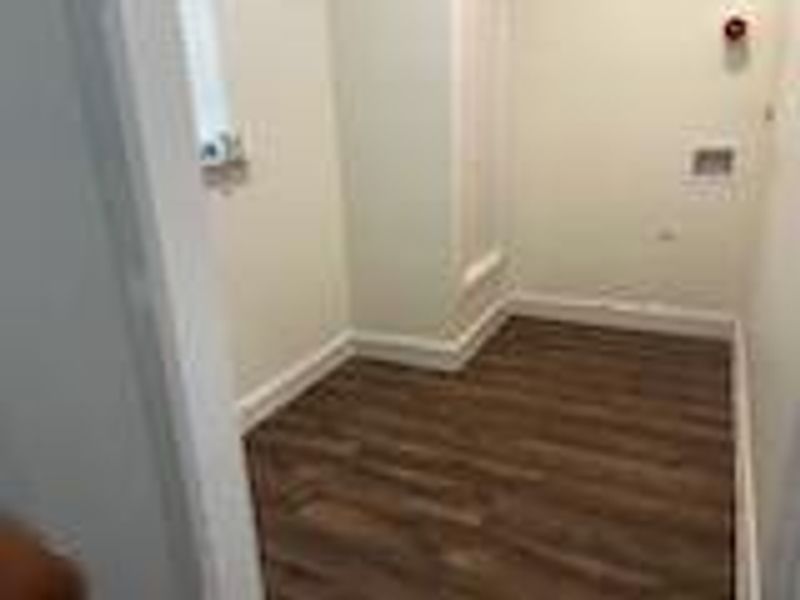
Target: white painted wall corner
column 440, row 355
column 264, row 401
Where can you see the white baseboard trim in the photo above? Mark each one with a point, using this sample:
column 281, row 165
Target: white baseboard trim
column 262, row 402
column 748, row 572
column 440, row 355
column 452, row 355
column 653, row 317
column 265, row 400
column 407, row 350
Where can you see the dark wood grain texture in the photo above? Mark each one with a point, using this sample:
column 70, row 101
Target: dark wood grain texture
column 565, row 462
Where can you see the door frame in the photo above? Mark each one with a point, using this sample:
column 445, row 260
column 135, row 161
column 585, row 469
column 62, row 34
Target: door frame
column 131, row 64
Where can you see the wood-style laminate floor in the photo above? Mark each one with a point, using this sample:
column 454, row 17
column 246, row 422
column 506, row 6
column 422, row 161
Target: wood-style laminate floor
column 565, row 462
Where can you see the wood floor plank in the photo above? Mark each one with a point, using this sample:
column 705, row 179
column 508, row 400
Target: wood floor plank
column 564, row 462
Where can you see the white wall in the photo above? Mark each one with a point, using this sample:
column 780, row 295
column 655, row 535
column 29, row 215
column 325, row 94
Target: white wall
column 420, row 106
column 394, row 100
column 80, row 457
column 774, row 345
column 280, row 236
column 352, row 217
column 609, row 102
